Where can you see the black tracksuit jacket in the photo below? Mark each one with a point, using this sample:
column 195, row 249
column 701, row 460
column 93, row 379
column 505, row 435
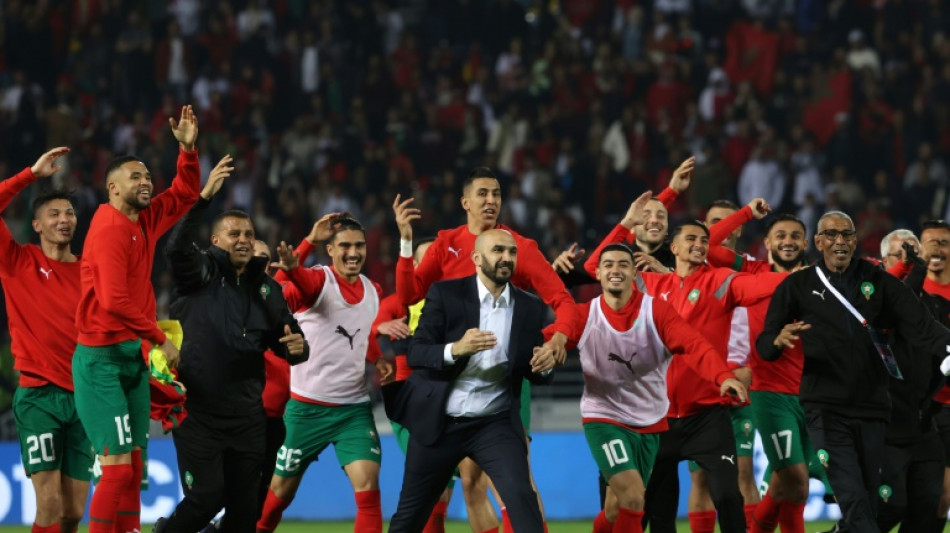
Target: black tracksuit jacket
column 842, row 371
column 229, row 321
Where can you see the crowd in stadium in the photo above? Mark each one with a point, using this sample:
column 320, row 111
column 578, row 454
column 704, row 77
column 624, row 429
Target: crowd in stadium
column 361, row 124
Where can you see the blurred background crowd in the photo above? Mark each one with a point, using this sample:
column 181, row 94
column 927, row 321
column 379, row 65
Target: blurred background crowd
column 579, row 105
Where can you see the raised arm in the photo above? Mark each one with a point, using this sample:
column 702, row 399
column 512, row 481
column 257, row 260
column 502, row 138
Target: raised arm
column 622, row 232
column 45, row 166
column 748, row 289
column 192, row 268
column 169, row 206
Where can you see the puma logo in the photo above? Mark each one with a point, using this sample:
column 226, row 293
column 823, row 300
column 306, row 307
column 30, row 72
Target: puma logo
column 454, row 251
column 46, row 272
column 730, row 458
column 665, row 296
column 821, row 294
column 349, row 336
column 625, row 362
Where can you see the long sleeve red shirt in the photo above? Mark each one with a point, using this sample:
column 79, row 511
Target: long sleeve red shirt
column 450, row 257
column 117, row 302
column 41, row 298
column 705, row 299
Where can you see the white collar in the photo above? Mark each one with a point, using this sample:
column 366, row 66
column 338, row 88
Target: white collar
column 503, row 299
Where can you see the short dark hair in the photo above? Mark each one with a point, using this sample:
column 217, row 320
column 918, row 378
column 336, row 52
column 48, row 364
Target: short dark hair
column 695, row 223
column 784, row 217
column 615, row 247
column 934, row 224
column 48, row 196
column 343, row 222
column 230, row 213
column 724, row 204
column 476, row 173
column 118, row 162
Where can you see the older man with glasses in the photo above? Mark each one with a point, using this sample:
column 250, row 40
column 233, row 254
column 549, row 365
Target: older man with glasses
column 839, row 310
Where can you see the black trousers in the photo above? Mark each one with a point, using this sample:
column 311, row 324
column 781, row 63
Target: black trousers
column 219, row 460
column 914, row 474
column 855, row 454
column 494, row 444
column 942, row 419
column 706, row 438
column 274, row 435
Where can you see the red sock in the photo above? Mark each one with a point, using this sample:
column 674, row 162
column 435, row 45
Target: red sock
column 629, row 521
column 128, row 516
column 506, row 521
column 601, row 524
column 765, row 517
column 45, row 529
column 273, row 509
column 791, row 517
column 749, row 511
column 702, row 522
column 544, row 527
column 112, row 484
column 436, row 523
column 369, row 512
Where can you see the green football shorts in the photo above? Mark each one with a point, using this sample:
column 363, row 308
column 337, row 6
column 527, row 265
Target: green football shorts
column 312, row 427
column 617, row 449
column 51, row 435
column 112, row 396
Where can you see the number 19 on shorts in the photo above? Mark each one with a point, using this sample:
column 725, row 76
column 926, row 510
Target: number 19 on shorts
column 125, row 431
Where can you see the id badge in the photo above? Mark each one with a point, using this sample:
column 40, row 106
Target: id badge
column 886, row 355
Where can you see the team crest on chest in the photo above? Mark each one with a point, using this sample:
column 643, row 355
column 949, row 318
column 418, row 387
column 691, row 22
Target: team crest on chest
column 693, row 296
column 265, row 291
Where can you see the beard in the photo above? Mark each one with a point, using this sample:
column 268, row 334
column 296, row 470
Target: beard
column 492, row 273
column 788, row 264
column 133, row 200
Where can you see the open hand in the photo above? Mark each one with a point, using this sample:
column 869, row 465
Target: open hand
column 185, row 129
column 46, row 165
column 216, row 178
column 789, row 334
column 289, row 259
column 404, row 216
column 564, row 262
column 396, row 328
column 682, row 175
column 474, row 341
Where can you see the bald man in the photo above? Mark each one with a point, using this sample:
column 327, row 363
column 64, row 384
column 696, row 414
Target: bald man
column 477, row 339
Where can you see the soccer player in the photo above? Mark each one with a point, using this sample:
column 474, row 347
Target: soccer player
column 449, row 257
column 329, row 402
column 836, row 309
column 41, row 284
column 742, row 421
column 116, row 312
column 626, row 341
column 647, row 241
column 775, row 384
column 700, row 428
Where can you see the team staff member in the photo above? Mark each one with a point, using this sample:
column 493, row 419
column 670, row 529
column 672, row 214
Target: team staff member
column 775, row 384
column 231, row 311
column 336, row 307
column 626, row 342
column 844, row 389
column 912, row 476
column 41, row 284
column 116, row 312
column 449, row 257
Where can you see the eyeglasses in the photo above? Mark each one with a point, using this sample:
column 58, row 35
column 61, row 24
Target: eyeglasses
column 833, row 234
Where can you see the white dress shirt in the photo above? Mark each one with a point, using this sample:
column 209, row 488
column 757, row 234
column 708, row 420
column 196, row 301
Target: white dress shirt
column 481, row 389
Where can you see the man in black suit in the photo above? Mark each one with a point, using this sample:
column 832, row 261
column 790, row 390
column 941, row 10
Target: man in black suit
column 477, row 339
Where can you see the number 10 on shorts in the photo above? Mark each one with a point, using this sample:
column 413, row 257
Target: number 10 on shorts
column 615, row 452
column 125, row 431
